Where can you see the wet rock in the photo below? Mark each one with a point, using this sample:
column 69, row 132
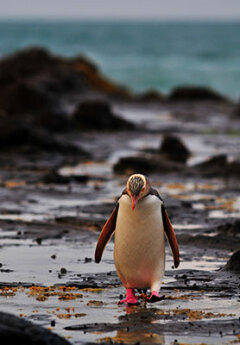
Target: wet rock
column 55, row 75
column 17, row 331
column 174, row 149
column 97, row 114
column 233, row 263
column 54, row 177
column 21, row 98
column 30, row 140
column 195, row 93
column 135, row 164
column 151, row 96
column 230, row 228
column 236, row 110
column 54, row 121
column 145, row 165
column 214, row 166
column 217, row 166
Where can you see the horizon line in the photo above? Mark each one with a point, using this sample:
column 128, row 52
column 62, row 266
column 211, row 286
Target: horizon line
column 122, row 19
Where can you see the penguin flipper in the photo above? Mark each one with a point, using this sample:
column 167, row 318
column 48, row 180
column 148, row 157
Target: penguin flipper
column 169, row 231
column 106, row 234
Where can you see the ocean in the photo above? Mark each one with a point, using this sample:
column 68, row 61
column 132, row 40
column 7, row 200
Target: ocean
column 141, row 54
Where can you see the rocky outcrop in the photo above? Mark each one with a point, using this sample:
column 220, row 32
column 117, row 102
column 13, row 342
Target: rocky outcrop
column 195, row 93
column 150, row 96
column 55, row 75
column 217, row 166
column 173, row 149
column 17, row 331
column 97, row 114
column 233, row 263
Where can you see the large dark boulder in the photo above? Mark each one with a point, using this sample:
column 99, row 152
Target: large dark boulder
column 17, row 331
column 97, row 115
column 24, row 139
column 174, row 149
column 233, row 263
column 195, row 93
column 56, row 75
column 20, row 98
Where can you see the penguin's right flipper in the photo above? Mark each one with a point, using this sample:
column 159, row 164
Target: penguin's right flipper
column 106, row 234
column 171, row 236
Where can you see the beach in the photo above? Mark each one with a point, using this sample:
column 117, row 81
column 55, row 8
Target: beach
column 71, row 135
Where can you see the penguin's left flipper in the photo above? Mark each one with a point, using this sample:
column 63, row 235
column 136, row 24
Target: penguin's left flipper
column 106, row 234
column 155, row 298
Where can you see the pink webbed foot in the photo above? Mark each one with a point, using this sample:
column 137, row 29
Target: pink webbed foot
column 154, row 297
column 130, row 298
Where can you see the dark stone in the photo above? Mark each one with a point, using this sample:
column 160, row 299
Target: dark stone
column 214, row 166
column 151, row 96
column 21, row 98
column 54, row 121
column 55, row 75
column 54, row 177
column 194, row 93
column 230, row 228
column 233, row 263
column 144, row 165
column 131, row 165
column 236, row 110
column 174, row 149
column 97, row 114
column 31, row 140
column 17, row 331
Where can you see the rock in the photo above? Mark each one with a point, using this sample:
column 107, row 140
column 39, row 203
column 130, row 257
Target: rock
column 233, row 263
column 18, row 331
column 30, row 140
column 131, row 165
column 212, row 167
column 236, row 110
column 54, row 177
column 195, row 93
column 21, row 98
column 150, row 96
column 232, row 228
column 55, row 75
column 54, row 121
column 217, row 166
column 96, row 114
column 144, row 165
column 174, row 149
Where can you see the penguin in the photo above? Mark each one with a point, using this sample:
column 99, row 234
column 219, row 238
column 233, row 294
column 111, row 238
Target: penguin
column 139, row 221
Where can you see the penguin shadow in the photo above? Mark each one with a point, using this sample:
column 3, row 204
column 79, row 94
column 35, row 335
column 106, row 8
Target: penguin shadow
column 136, row 325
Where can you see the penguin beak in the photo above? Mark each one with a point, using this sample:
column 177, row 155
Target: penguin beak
column 134, row 201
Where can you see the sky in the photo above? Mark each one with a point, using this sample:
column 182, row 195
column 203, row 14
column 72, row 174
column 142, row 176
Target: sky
column 121, row 9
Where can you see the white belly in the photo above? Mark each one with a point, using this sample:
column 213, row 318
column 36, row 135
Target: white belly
column 139, row 252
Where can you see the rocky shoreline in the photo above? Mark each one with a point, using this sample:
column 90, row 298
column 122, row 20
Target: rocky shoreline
column 68, row 140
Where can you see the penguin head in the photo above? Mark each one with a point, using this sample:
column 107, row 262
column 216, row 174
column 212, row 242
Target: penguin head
column 137, row 187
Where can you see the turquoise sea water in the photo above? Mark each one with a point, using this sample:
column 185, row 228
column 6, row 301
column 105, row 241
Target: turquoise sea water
column 141, row 55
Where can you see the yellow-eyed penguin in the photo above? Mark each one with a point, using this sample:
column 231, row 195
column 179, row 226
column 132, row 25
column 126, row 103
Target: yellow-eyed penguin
column 139, row 220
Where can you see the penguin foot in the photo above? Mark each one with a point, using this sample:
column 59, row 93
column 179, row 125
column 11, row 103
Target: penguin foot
column 130, row 298
column 155, row 297
column 129, row 301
